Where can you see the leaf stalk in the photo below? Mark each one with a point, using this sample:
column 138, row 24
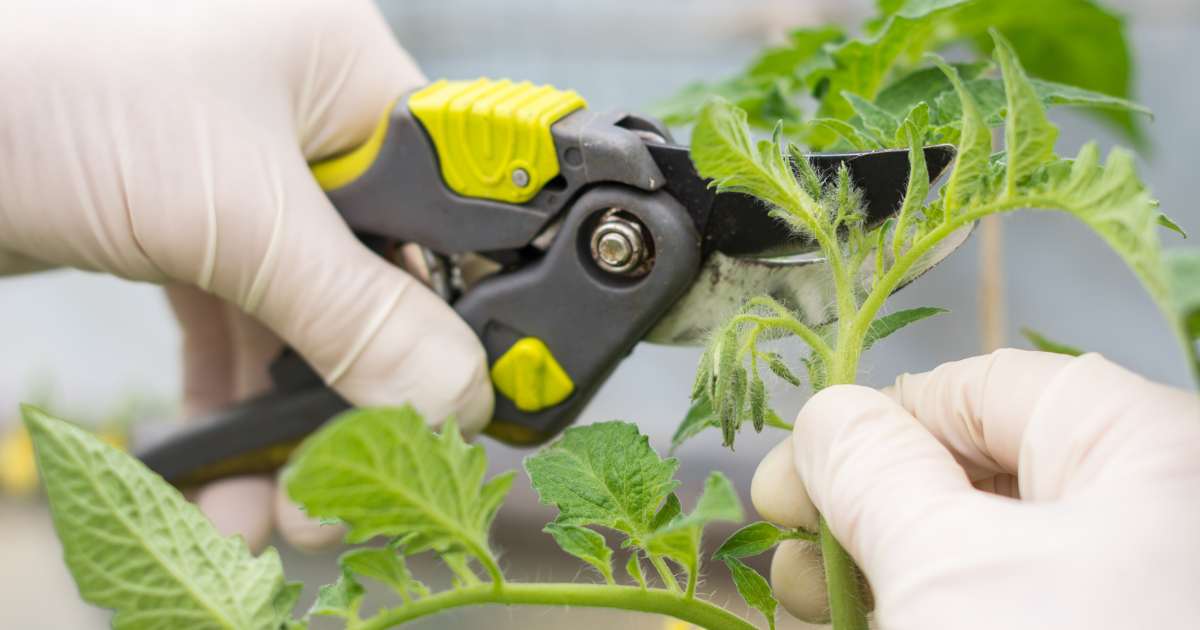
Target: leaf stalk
column 655, row 601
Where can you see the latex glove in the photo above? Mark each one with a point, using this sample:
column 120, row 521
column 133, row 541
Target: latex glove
column 1106, row 467
column 169, row 142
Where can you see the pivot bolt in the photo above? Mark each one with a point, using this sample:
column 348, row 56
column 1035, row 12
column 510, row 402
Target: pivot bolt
column 617, row 245
column 520, row 178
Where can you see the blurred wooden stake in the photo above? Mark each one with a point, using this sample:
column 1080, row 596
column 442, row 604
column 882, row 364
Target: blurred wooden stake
column 992, row 320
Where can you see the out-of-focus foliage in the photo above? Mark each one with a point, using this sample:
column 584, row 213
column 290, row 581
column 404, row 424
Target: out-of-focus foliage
column 882, row 70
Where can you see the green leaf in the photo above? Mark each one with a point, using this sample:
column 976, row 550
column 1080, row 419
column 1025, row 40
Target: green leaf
column 385, row 472
column 992, row 99
column 1091, row 53
column 859, row 65
column 699, row 418
column 775, row 362
column 1183, row 274
column 753, row 588
column 286, row 600
column 1113, row 202
column 802, row 45
column 1028, row 136
column 723, row 150
column 925, row 85
column 340, row 599
column 816, row 371
column 888, row 324
column 758, row 404
column 918, row 119
column 1166, row 222
column 1182, row 268
column 858, row 139
column 604, row 474
column 750, row 540
column 1046, row 345
column 725, row 378
column 918, row 188
column 136, row 546
column 680, row 540
column 874, row 118
column 704, row 375
column 634, row 568
column 1052, row 93
column 766, row 99
column 972, row 168
column 667, row 513
column 719, row 502
column 292, row 623
column 584, row 544
column 807, row 176
column 733, row 413
column 385, row 565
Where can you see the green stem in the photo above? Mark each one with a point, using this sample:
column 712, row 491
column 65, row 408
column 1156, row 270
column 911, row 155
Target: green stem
column 664, row 571
column 803, row 534
column 847, row 608
column 462, row 568
column 656, row 601
column 793, row 325
column 692, row 579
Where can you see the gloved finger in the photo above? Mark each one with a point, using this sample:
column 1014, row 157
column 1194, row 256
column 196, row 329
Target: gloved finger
column 15, row 263
column 978, row 407
column 255, row 347
column 226, row 353
column 241, row 505
column 798, row 581
column 778, row 493
column 299, row 529
column 207, row 348
column 1054, row 421
column 218, row 352
column 346, row 68
column 884, row 485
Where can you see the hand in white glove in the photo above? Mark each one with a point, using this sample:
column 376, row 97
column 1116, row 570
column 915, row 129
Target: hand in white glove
column 170, row 142
column 1106, row 466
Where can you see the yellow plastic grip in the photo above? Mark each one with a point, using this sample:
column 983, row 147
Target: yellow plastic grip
column 493, row 137
column 336, row 172
column 529, row 376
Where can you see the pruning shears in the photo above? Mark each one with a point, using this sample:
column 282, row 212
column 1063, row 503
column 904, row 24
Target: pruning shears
column 562, row 236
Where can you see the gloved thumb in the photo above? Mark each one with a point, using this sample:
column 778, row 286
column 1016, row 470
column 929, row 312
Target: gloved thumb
column 877, row 476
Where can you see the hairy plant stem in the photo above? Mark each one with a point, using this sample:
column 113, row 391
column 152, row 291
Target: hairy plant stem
column 847, row 608
column 663, row 570
column 653, row 600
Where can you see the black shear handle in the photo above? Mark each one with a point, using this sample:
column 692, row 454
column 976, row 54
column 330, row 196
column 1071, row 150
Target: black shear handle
column 588, row 318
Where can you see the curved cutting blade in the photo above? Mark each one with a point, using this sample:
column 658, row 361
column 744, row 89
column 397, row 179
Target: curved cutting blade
column 737, row 224
column 803, row 285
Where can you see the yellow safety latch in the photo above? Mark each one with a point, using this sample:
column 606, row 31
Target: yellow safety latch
column 493, row 137
column 529, row 375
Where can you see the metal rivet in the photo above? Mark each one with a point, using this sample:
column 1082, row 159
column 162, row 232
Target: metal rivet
column 617, row 245
column 520, row 178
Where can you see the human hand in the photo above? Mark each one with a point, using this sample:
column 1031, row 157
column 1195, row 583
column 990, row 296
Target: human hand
column 170, row 142
column 1105, row 464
